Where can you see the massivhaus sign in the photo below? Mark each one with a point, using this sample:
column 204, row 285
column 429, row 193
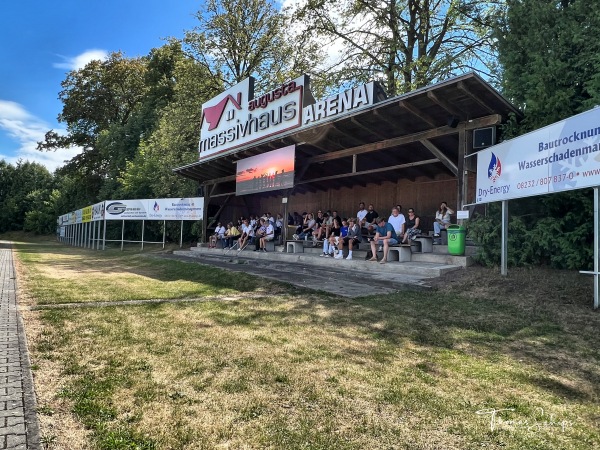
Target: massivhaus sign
column 234, row 118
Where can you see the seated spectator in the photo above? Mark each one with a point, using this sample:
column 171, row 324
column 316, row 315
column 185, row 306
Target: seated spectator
column 260, row 232
column 301, row 223
column 369, row 221
column 385, row 235
column 352, row 238
column 442, row 219
column 344, row 228
column 278, row 226
column 246, row 236
column 219, row 234
column 319, row 219
column 307, row 229
column 269, row 235
column 397, row 220
column 330, row 243
column 360, row 215
column 412, row 226
column 321, row 230
column 231, row 234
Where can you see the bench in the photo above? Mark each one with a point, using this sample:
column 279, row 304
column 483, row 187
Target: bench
column 426, row 243
column 401, row 253
column 294, row 246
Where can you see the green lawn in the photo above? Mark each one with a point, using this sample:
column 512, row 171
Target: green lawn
column 465, row 367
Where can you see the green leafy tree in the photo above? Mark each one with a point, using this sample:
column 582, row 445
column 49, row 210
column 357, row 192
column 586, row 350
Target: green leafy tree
column 236, row 39
column 405, row 44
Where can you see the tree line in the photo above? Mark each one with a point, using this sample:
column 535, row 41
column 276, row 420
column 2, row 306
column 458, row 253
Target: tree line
column 135, row 119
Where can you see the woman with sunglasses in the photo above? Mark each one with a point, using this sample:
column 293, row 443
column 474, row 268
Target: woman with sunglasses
column 412, row 226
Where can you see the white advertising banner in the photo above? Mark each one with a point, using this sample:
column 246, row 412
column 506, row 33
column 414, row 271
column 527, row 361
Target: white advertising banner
column 98, row 211
column 560, row 157
column 79, row 216
column 155, row 209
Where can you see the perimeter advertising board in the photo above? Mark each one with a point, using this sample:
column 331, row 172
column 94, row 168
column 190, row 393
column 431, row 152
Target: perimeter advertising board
column 266, row 172
column 98, row 211
column 560, row 157
column 155, row 209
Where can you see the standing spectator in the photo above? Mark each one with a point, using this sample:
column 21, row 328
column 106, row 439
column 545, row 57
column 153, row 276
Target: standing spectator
column 384, row 235
column 412, row 226
column 442, row 219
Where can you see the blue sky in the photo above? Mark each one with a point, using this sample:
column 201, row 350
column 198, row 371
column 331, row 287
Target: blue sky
column 40, row 41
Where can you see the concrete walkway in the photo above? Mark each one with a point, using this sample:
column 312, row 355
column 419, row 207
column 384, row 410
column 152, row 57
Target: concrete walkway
column 18, row 422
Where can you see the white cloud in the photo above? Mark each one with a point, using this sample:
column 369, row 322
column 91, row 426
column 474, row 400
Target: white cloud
column 26, row 129
column 79, row 61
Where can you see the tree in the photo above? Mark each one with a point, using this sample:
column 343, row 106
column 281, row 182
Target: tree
column 405, row 44
column 236, row 39
column 549, row 56
column 550, row 66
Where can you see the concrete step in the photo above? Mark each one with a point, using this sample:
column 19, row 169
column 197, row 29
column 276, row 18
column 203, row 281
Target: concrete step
column 470, row 250
column 440, row 258
column 424, row 269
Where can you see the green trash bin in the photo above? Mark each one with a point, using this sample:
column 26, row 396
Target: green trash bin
column 456, row 240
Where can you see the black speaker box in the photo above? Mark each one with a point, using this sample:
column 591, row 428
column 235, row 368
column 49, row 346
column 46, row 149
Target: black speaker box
column 484, row 137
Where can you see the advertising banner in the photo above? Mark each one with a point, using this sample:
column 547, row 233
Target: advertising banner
column 266, row 172
column 86, row 214
column 78, row 216
column 98, row 211
column 155, row 209
column 559, row 157
column 176, row 208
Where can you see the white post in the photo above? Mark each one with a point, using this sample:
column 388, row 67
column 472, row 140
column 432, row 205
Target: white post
column 181, row 236
column 104, row 237
column 164, row 232
column 596, row 243
column 504, row 251
column 122, row 233
column 143, row 222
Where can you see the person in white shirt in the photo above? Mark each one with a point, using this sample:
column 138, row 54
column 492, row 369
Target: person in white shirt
column 268, row 236
column 442, row 219
column 397, row 220
column 219, row 234
column 361, row 214
column 247, row 233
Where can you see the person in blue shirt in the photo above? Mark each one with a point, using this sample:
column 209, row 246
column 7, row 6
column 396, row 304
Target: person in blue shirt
column 385, row 235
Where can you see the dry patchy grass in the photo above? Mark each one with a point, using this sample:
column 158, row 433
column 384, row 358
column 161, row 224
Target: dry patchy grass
column 297, row 371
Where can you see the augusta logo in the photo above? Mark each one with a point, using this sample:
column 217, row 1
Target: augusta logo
column 212, row 114
column 494, row 169
column 116, row 208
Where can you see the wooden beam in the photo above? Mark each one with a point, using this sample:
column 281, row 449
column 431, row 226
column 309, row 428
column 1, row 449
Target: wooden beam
column 417, row 112
column 355, row 121
column 461, row 86
column 440, row 155
column 385, row 119
column 219, row 211
column 451, row 109
column 366, row 172
column 348, row 136
column 493, row 119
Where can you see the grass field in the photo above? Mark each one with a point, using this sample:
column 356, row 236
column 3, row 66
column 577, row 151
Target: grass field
column 483, row 362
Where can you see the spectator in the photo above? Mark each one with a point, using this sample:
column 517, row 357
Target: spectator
column 384, row 235
column 330, row 243
column 246, row 236
column 269, row 235
column 360, row 215
column 370, row 219
column 352, row 239
column 442, row 219
column 323, row 227
column 219, row 234
column 231, row 234
column 278, row 226
column 397, row 220
column 308, row 228
column 261, row 231
column 412, row 226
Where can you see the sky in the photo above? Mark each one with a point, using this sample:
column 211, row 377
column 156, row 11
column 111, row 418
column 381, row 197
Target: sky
column 40, row 41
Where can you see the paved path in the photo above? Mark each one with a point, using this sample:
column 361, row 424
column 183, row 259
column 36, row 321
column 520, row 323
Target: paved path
column 18, row 422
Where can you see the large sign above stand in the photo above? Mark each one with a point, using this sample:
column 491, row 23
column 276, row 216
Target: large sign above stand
column 560, row 157
column 234, row 118
column 266, row 172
